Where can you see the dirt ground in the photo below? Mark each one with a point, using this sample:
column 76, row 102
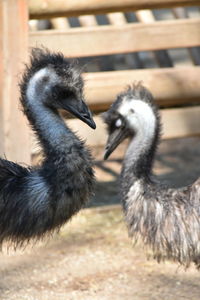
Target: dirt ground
column 92, row 257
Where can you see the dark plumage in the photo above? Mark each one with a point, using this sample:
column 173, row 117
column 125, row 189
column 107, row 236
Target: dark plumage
column 166, row 219
column 36, row 201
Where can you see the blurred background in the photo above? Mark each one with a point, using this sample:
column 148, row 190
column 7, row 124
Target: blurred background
column 156, row 42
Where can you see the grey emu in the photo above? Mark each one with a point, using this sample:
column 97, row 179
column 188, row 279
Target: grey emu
column 37, row 200
column 165, row 219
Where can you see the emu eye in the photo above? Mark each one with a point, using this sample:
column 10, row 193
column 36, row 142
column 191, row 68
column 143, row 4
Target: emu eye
column 118, row 123
column 132, row 110
column 68, row 94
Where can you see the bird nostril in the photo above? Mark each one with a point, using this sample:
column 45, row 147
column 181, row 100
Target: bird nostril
column 85, row 116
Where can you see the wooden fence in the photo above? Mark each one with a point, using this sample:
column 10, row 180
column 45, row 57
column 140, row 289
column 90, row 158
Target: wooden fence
column 172, row 87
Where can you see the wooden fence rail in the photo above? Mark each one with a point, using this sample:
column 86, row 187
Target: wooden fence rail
column 92, row 41
column 47, row 9
column 169, row 86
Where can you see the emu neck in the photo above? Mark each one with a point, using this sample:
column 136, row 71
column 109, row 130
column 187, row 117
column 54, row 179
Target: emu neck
column 140, row 154
column 53, row 134
column 135, row 158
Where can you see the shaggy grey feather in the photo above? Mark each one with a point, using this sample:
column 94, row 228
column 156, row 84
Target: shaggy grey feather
column 166, row 219
column 36, row 201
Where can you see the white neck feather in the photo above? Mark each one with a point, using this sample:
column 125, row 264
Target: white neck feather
column 32, row 93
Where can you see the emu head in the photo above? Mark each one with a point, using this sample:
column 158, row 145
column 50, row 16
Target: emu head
column 134, row 112
column 57, row 83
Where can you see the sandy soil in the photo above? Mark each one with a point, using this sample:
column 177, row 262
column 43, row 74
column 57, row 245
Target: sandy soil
column 92, row 258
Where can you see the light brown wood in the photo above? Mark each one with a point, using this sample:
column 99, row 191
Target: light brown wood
column 181, row 122
column 161, row 57
column 51, row 8
column 33, row 25
column 14, row 133
column 170, row 86
column 182, row 13
column 119, row 19
column 88, row 21
column 104, row 40
column 60, row 23
column 116, row 18
column 145, row 16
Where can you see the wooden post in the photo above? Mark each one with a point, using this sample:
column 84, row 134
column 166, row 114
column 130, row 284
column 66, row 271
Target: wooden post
column 14, row 132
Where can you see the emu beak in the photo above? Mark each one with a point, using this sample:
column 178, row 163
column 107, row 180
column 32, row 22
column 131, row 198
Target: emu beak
column 81, row 111
column 114, row 139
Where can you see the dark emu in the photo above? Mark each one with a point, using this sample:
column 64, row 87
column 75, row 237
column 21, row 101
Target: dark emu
column 165, row 219
column 37, row 200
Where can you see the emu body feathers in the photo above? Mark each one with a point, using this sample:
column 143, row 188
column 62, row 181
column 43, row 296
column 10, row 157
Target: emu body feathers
column 37, row 200
column 167, row 220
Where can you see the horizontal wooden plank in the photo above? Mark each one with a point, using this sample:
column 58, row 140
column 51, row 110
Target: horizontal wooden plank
column 170, row 86
column 177, row 122
column 105, row 40
column 51, row 8
column 181, row 122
